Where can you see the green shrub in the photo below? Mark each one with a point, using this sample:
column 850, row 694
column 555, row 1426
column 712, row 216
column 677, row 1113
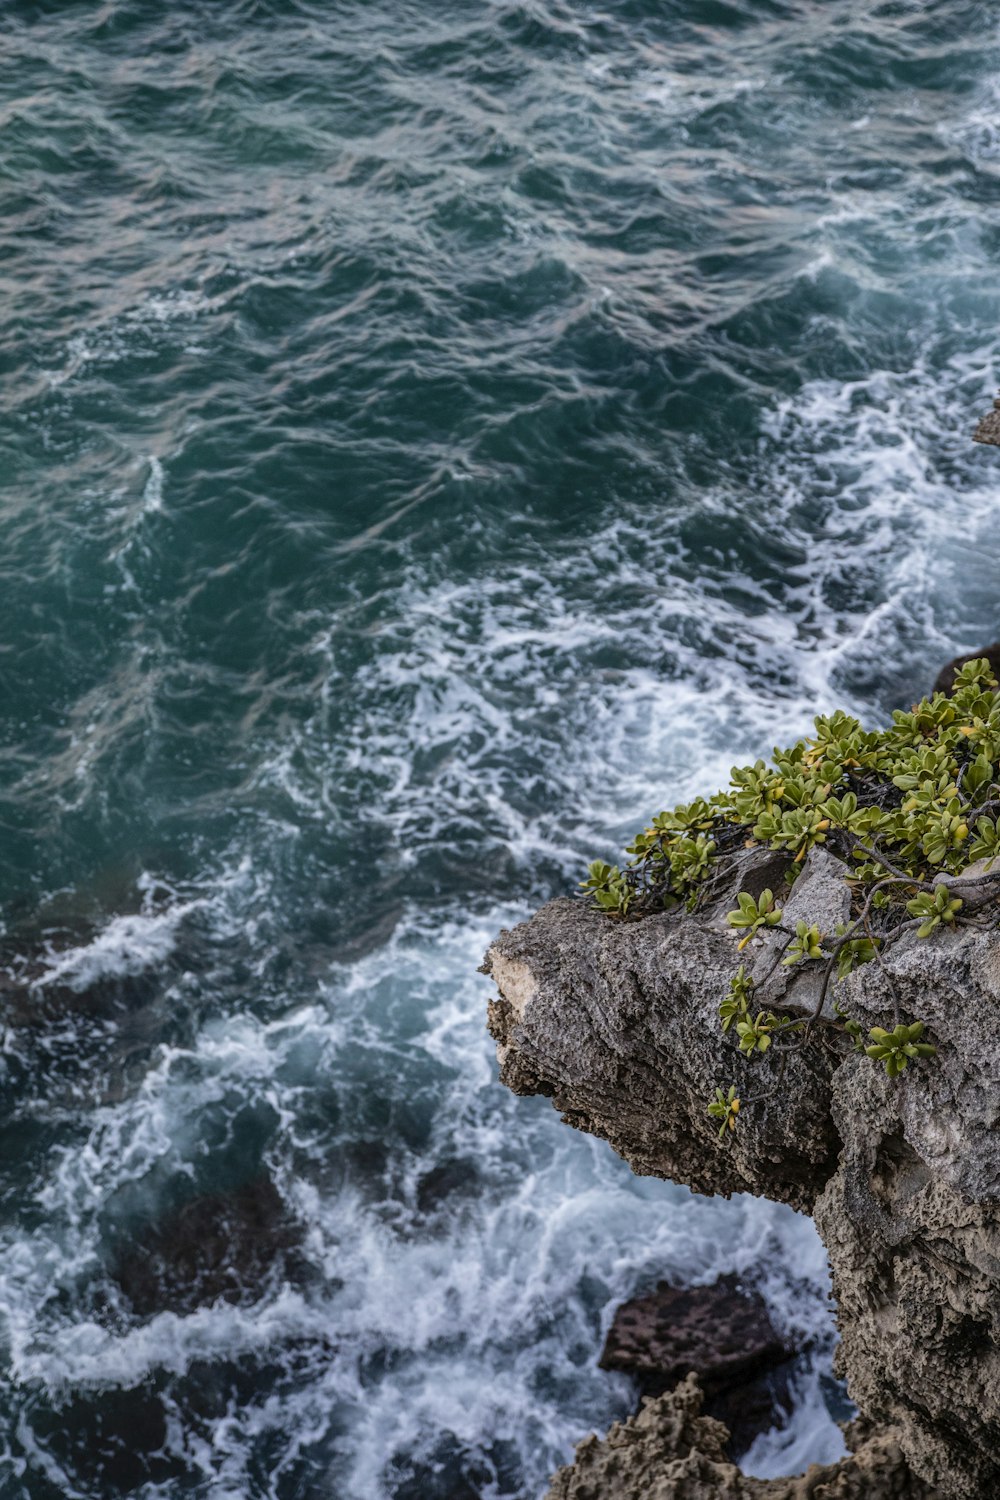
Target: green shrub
column 933, row 908
column 900, row 806
column 725, row 1107
column 754, row 914
column 895, row 1048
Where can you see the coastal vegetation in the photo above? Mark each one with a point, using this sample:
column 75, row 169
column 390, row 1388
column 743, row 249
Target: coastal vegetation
column 911, row 810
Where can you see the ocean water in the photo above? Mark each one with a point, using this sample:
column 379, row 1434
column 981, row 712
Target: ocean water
column 435, row 436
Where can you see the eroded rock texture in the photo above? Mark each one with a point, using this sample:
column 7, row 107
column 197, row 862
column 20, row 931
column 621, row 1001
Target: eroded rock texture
column 617, row 1023
column 988, row 429
column 670, row 1452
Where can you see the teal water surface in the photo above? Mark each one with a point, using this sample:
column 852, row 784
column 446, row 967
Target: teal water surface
column 434, row 437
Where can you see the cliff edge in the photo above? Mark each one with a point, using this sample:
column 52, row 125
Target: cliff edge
column 618, row 1023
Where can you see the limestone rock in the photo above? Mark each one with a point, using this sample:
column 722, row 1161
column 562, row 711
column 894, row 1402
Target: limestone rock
column 988, row 430
column 617, row 1022
column 916, row 1263
column 820, row 897
column 671, row 1452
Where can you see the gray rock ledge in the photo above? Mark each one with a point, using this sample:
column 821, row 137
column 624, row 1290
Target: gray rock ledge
column 617, row 1023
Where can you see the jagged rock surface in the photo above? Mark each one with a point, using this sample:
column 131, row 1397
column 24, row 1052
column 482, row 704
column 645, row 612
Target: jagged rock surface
column 988, row 428
column 617, row 1023
column 670, row 1452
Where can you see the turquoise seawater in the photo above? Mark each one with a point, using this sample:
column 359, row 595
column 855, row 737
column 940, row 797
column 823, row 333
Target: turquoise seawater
column 434, row 437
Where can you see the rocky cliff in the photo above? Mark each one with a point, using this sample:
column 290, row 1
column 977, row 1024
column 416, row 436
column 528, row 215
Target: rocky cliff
column 617, row 1022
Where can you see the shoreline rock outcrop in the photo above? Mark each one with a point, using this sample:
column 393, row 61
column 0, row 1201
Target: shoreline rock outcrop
column 988, row 427
column 617, row 1023
column 723, row 1334
column 671, row 1452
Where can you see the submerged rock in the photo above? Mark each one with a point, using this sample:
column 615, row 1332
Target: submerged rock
column 220, row 1247
column 453, row 1178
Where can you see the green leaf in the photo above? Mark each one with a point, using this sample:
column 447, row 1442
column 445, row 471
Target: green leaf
column 895, row 1048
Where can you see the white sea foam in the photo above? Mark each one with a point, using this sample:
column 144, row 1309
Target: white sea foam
column 152, row 495
column 126, row 946
column 976, row 130
column 809, row 1437
column 484, row 1313
column 474, row 1319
